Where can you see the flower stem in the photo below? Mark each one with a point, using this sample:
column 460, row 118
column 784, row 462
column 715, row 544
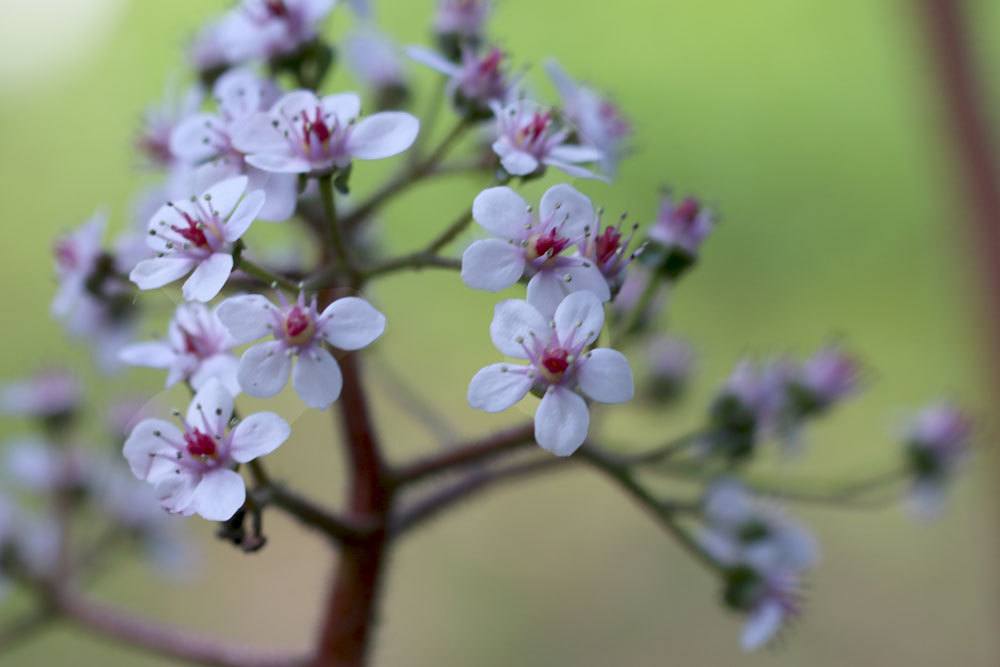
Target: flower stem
column 335, row 233
column 260, row 273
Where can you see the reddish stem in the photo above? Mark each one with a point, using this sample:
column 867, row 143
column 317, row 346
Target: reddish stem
column 350, row 608
column 948, row 37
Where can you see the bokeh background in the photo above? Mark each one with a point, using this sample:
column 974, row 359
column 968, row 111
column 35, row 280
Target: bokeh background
column 813, row 126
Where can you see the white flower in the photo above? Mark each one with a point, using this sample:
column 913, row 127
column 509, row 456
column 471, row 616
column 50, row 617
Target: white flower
column 159, row 123
column 525, row 245
column 597, row 119
column 529, row 139
column 741, row 530
column 205, row 141
column 197, row 236
column 560, row 365
column 197, row 348
column 192, row 469
column 303, row 133
column 267, row 28
column 298, row 330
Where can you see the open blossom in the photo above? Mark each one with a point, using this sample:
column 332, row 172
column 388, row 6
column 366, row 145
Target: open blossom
column 303, row 133
column 599, row 122
column 824, row 379
column 192, row 467
column 682, row 226
column 298, row 330
column 526, row 245
column 475, row 82
column 742, row 530
column 529, row 138
column 560, row 367
column 937, row 442
column 49, row 394
column 262, row 29
column 196, row 236
column 205, row 142
column 76, row 255
column 607, row 248
column 197, row 348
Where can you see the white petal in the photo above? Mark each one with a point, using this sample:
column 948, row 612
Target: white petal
column 502, row 212
column 561, row 421
column 219, row 495
column 247, row 317
column 763, row 623
column 433, row 60
column 293, row 104
column 566, row 86
column 259, row 434
column 546, row 290
column 351, row 323
column 211, row 408
column 159, row 271
column 247, row 211
column 143, row 442
column 514, row 319
column 279, row 163
column 176, row 492
column 280, row 190
column 345, row 106
column 572, row 154
column 209, row 278
column 492, row 264
column 264, row 369
column 154, row 354
column 196, row 138
column 497, row 387
column 317, row 378
column 604, row 375
column 587, row 277
column 383, row 135
column 519, row 163
column 568, row 206
column 223, row 367
column 222, row 196
column 257, row 134
column 580, row 316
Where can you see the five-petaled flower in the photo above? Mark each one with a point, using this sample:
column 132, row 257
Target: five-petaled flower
column 196, row 236
column 205, row 141
column 192, row 467
column 561, row 364
column 299, row 330
column 529, row 138
column 197, row 348
column 305, row 134
column 526, row 245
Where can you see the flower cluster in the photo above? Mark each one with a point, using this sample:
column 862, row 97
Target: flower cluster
column 259, row 136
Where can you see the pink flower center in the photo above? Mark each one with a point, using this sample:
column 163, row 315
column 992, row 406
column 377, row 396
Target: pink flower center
column 554, row 363
column 491, row 63
column 193, row 233
column 276, row 7
column 548, row 244
column 200, row 445
column 532, row 131
column 315, row 129
column 299, row 326
column 66, row 255
column 687, row 211
column 607, row 244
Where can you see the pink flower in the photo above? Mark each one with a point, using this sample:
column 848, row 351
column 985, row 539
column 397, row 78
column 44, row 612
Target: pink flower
column 49, row 394
column 77, row 254
column 303, row 133
column 198, row 347
column 529, row 139
column 937, row 442
column 525, row 245
column 599, row 122
column 262, row 29
column 205, row 141
column 475, row 82
column 770, row 601
column 682, row 226
column 827, row 377
column 560, row 365
column 158, row 124
column 607, row 249
column 298, row 330
column 197, row 236
column 192, row 468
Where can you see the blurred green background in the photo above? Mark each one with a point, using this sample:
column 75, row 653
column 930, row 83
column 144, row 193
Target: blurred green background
column 814, row 128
